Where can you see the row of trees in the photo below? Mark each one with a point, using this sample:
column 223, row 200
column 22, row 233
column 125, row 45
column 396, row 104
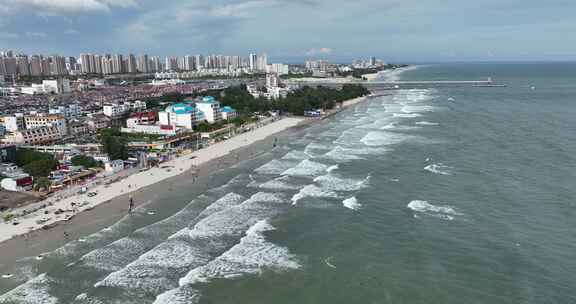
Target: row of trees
column 298, row 101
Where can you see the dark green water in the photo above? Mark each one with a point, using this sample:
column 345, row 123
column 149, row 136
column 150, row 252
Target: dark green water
column 447, row 195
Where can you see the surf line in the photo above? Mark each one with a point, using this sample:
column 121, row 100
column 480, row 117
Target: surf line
column 327, row 262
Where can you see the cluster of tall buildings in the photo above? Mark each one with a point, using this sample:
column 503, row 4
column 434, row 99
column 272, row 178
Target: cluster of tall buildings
column 371, row 62
column 12, row 64
column 36, row 65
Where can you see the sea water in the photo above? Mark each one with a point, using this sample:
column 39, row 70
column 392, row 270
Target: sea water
column 431, row 195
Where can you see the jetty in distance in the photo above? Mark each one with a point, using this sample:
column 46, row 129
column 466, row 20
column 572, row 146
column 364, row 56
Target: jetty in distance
column 407, row 84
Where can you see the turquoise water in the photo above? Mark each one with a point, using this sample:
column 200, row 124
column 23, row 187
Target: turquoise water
column 447, row 195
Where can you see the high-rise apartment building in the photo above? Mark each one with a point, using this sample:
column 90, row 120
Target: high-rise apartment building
column 143, row 64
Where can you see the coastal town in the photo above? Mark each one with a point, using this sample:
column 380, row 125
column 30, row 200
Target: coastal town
column 77, row 133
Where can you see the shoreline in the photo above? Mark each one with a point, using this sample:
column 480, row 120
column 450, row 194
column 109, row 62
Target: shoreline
column 138, row 181
column 112, row 210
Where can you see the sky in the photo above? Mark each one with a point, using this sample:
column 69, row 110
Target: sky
column 292, row 30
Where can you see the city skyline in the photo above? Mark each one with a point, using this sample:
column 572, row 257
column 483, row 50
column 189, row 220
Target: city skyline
column 337, row 30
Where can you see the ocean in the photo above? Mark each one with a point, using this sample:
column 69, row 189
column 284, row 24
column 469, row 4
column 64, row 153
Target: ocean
column 443, row 195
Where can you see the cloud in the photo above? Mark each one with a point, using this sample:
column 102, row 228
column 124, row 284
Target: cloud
column 36, row 35
column 239, row 10
column 64, row 7
column 71, row 32
column 197, row 24
column 320, row 51
column 5, row 35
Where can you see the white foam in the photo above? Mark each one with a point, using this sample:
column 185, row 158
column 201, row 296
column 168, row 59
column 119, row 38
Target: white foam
column 225, row 202
column 306, row 168
column 351, row 203
column 406, row 115
column 427, row 123
column 35, row 291
column 411, row 108
column 192, row 247
column 443, row 212
column 279, row 183
column 182, row 295
column 438, row 168
column 334, row 183
column 396, row 127
column 382, row 138
column 275, row 167
column 296, row 155
column 341, row 154
column 332, row 168
column 251, row 256
column 313, row 191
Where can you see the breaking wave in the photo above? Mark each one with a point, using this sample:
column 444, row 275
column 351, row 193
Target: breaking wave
column 443, row 212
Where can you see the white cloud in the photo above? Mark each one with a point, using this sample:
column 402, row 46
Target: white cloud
column 71, row 32
column 36, row 35
column 319, row 51
column 64, row 7
column 5, row 35
column 239, row 10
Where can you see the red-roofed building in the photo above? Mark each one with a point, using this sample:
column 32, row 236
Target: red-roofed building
column 141, row 118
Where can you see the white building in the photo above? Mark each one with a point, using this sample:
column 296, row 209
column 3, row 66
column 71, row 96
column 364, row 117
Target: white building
column 68, row 111
column 211, row 109
column 15, row 179
column 38, row 136
column 13, row 123
column 39, row 121
column 115, row 109
column 166, row 130
column 59, row 86
column 279, row 69
column 228, row 113
column 114, row 166
column 181, row 115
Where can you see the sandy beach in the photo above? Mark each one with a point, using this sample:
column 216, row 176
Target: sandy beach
column 138, row 181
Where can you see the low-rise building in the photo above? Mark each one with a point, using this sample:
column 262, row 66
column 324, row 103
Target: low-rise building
column 38, row 121
column 59, row 86
column 228, row 113
column 14, row 178
column 141, row 118
column 97, row 122
column 181, row 115
column 166, row 130
column 68, row 111
column 211, row 109
column 114, row 166
column 78, row 128
column 38, row 136
column 13, row 123
column 120, row 109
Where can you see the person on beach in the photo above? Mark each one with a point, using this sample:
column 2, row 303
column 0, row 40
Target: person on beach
column 130, row 204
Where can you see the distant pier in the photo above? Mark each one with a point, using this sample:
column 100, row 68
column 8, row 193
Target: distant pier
column 405, row 84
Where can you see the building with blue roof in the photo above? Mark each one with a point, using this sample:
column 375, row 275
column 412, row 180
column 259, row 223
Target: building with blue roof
column 228, row 113
column 211, row 109
column 184, row 115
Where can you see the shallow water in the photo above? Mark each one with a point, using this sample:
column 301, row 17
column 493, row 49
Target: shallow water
column 446, row 195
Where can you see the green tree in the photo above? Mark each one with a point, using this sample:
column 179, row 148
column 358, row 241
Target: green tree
column 85, row 161
column 114, row 144
column 35, row 163
column 40, row 168
column 42, row 183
